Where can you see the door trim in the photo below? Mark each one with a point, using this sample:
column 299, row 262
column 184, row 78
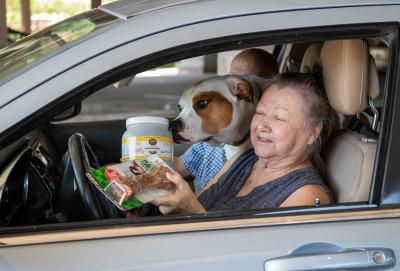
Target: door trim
column 137, row 230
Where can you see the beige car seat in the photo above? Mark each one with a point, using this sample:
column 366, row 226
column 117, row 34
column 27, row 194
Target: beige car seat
column 311, row 57
column 350, row 79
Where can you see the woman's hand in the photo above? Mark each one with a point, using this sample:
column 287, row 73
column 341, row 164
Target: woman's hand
column 182, row 201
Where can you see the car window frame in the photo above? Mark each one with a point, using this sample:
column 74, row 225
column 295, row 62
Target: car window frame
column 388, row 149
column 169, row 55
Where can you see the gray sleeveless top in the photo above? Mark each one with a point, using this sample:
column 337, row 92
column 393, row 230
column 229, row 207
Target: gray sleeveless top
column 221, row 196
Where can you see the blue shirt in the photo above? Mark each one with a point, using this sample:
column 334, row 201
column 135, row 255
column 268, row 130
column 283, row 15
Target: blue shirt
column 203, row 161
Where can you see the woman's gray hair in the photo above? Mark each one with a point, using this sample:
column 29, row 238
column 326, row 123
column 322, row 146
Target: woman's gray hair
column 317, row 108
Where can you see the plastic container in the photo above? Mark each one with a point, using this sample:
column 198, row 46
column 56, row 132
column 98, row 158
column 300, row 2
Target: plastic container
column 146, row 136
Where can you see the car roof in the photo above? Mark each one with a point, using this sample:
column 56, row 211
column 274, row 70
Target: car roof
column 128, row 8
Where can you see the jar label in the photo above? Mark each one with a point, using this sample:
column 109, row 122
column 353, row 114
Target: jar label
column 140, row 147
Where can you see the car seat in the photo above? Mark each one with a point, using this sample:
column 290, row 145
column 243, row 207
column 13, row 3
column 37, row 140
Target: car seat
column 311, row 57
column 350, row 79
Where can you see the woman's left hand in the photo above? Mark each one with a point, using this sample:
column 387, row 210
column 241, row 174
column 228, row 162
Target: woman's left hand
column 182, row 201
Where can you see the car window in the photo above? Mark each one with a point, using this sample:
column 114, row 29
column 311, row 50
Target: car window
column 156, row 92
column 25, row 53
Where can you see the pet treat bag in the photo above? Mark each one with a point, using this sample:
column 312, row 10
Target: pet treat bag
column 132, row 183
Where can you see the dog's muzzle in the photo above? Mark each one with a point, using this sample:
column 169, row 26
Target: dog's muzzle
column 177, row 126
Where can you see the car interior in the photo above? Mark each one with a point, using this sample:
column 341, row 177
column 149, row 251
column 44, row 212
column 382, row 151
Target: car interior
column 42, row 177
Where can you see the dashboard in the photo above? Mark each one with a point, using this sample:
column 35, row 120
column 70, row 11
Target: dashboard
column 28, row 183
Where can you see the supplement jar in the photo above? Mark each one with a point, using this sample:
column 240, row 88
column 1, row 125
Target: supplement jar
column 145, row 136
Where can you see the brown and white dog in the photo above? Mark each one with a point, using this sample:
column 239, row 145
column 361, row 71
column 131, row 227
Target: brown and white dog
column 218, row 110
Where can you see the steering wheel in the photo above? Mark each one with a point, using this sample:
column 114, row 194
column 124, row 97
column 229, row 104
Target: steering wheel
column 95, row 204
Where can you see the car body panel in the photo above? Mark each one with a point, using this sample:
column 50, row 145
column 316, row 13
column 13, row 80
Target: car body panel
column 125, row 9
column 225, row 8
column 230, row 249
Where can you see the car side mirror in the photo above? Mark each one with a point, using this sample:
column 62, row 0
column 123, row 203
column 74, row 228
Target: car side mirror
column 70, row 112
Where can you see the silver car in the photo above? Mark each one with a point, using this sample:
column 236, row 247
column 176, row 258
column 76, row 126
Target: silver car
column 68, row 89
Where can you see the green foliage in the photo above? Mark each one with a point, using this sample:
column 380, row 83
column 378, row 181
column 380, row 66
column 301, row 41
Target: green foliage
column 13, row 9
column 67, row 7
column 59, row 6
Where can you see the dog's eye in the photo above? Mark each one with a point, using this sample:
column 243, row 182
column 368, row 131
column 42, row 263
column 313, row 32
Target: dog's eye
column 179, row 108
column 201, row 104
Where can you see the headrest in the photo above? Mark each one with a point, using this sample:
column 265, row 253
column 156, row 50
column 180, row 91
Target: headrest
column 345, row 73
column 311, row 56
column 373, row 84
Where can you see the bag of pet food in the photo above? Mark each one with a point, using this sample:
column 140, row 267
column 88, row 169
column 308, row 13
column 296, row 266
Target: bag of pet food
column 132, row 183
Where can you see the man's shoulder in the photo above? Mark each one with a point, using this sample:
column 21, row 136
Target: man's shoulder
column 204, row 147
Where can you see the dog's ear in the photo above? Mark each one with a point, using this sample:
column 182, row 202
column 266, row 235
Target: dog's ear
column 240, row 88
column 259, row 85
column 243, row 90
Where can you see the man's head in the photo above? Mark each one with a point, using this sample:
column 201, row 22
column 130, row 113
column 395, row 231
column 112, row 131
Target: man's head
column 254, row 61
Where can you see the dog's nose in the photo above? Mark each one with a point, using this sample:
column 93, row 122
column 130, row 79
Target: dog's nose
column 176, row 125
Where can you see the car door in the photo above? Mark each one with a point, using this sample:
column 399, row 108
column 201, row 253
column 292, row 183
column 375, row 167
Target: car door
column 237, row 244
column 344, row 236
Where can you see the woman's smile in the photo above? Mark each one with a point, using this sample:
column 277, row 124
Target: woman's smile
column 264, row 139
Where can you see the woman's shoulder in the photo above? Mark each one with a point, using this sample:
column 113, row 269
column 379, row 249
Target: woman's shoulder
column 308, row 195
column 311, row 189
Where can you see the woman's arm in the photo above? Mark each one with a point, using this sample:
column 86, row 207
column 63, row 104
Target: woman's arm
column 307, row 195
column 182, row 201
column 180, row 167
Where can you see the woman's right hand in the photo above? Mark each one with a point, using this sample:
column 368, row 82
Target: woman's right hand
column 181, row 201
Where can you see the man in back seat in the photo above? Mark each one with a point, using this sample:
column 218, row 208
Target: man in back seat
column 254, row 61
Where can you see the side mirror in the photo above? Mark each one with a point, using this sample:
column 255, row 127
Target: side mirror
column 70, row 112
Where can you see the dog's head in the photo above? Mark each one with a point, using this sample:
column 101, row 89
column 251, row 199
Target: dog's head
column 218, row 110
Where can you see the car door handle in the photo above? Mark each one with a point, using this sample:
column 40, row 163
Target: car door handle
column 326, row 256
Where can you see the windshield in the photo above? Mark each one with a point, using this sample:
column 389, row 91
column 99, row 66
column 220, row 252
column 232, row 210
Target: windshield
column 27, row 52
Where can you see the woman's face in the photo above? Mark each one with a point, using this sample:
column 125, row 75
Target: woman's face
column 278, row 132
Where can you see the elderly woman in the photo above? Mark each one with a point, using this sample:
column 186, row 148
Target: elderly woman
column 292, row 120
